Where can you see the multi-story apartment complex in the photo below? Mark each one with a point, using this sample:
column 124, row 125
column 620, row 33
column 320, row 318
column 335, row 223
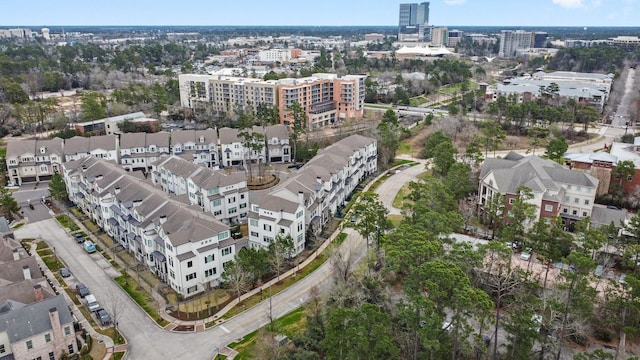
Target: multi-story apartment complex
column 41, row 330
column 312, row 194
column 185, row 247
column 225, row 196
column 33, row 160
column 557, row 191
column 139, row 150
column 199, row 146
column 278, row 147
column 102, row 147
column 325, row 98
column 413, row 20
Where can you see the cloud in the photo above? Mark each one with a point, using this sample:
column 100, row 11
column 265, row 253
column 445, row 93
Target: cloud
column 455, row 2
column 569, row 3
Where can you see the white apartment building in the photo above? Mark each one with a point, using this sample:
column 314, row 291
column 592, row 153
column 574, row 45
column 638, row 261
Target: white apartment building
column 225, row 196
column 139, row 150
column 198, row 146
column 233, row 151
column 312, row 194
column 278, row 147
column 185, row 247
column 33, row 160
column 274, row 55
column 101, row 147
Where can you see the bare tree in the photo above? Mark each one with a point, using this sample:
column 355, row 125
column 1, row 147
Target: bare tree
column 115, row 307
column 236, row 277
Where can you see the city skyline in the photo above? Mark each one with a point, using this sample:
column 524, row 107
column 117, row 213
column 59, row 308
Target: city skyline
column 329, row 13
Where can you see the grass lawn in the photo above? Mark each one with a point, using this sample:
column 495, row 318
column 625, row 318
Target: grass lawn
column 98, row 350
column 18, row 226
column 90, row 225
column 395, row 219
column 129, row 285
column 378, row 106
column 65, row 221
column 404, row 148
column 398, row 201
column 416, row 101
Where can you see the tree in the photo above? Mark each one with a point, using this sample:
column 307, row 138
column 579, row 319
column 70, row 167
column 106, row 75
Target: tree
column 299, row 124
column 57, row 188
column 280, row 250
column 387, row 135
column 432, row 141
column 623, row 171
column 494, row 210
column 236, row 277
column 8, row 205
column 458, row 180
column 587, row 115
column 364, row 333
column 255, row 261
column 372, row 221
column 93, row 106
column 492, row 136
column 556, row 148
column 444, row 157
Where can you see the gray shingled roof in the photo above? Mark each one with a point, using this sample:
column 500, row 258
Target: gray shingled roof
column 18, row 148
column 33, row 319
column 229, row 135
column 601, row 216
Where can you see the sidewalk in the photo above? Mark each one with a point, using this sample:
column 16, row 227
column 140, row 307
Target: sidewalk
column 107, row 341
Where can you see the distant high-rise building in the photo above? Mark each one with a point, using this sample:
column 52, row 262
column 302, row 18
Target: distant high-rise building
column 45, row 34
column 439, row 36
column 539, row 39
column 413, row 20
column 512, row 40
column 454, row 37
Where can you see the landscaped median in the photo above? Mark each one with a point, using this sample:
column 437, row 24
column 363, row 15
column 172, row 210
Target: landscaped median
column 130, row 286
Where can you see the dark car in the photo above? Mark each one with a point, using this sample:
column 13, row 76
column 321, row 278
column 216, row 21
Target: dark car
column 82, row 290
column 103, row 317
column 79, row 238
column 65, row 273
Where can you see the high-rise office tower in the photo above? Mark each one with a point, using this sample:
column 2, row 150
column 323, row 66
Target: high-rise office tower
column 413, row 20
column 512, row 40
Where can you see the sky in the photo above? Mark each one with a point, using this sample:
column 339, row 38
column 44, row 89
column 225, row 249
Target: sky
column 322, row 12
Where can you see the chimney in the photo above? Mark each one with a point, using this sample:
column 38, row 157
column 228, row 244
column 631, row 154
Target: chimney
column 163, row 219
column 117, row 190
column 39, row 294
column 319, row 180
column 301, row 198
column 56, row 326
column 26, row 272
column 16, row 255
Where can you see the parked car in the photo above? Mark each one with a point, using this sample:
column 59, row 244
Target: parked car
column 599, row 270
column 354, row 219
column 65, row 273
column 82, row 290
column 92, row 303
column 526, row 254
column 103, row 317
column 79, row 238
column 89, row 246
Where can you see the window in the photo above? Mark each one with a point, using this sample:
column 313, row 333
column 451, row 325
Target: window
column 267, row 227
column 52, row 356
column 189, row 263
column 29, row 344
column 629, row 177
column 210, row 272
column 566, row 199
column 575, row 212
column 564, row 210
column 241, row 196
column 47, row 337
column 217, row 202
column 584, row 213
column 578, row 188
column 511, row 201
column 569, row 187
column 243, row 205
column 233, row 210
column 172, row 274
column 253, row 222
column 586, row 202
column 67, row 330
column 190, row 276
column 254, row 234
column 2, row 349
column 70, row 347
column 299, row 214
column 576, row 200
column 548, row 208
column 300, row 226
column 231, row 200
column 209, row 258
column 217, row 213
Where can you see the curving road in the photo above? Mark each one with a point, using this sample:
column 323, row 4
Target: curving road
column 146, row 339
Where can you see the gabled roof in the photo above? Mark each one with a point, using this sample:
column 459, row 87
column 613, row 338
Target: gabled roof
column 278, row 131
column 532, row 171
column 228, row 136
column 21, row 147
column 27, row 321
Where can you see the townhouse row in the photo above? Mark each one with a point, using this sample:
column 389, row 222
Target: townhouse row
column 177, row 222
column 183, row 246
column 325, row 98
column 37, row 160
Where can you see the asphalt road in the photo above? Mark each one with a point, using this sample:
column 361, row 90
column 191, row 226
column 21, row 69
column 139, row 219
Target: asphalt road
column 622, row 113
column 388, row 189
column 146, row 339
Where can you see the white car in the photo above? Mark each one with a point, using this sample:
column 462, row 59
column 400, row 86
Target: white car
column 526, row 255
